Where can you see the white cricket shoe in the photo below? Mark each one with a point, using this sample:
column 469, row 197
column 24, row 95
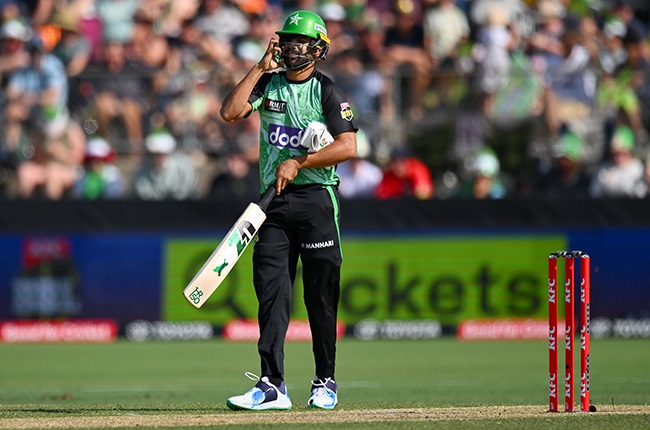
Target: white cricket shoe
column 263, row 396
column 323, row 394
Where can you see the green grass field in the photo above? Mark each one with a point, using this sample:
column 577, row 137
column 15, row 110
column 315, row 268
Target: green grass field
column 65, row 382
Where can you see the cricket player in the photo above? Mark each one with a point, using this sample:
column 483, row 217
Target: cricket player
column 307, row 128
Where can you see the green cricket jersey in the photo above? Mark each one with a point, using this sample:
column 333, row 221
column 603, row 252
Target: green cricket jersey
column 286, row 107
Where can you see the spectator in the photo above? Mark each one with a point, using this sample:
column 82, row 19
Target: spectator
column 247, row 51
column 193, row 114
column 120, row 94
column 405, row 176
column 101, row 178
column 49, row 162
column 249, row 48
column 253, row 7
column 521, row 17
column 591, row 38
column 188, row 40
column 470, row 129
column 404, row 46
column 545, row 45
column 362, row 85
column 492, row 55
column 518, row 100
column 372, row 41
column 619, row 104
column 166, row 173
column 222, row 20
column 241, row 177
column 220, row 23
column 339, row 30
column 360, row 177
column 623, row 175
column 624, row 12
column 90, row 26
column 172, row 79
column 191, row 57
column 34, row 91
column 13, row 55
column 484, row 182
column 148, row 46
column 637, row 70
column 369, row 83
column 570, row 88
column 566, row 176
column 174, row 14
column 118, row 19
column 612, row 54
column 38, row 11
column 574, row 80
column 446, row 28
column 72, row 49
column 620, row 88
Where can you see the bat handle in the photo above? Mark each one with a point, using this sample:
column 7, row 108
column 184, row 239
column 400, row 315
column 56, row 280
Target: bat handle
column 267, row 197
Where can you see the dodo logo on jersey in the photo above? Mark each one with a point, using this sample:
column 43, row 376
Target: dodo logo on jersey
column 284, row 136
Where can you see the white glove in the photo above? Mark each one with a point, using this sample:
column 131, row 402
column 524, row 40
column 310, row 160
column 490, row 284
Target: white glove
column 315, row 137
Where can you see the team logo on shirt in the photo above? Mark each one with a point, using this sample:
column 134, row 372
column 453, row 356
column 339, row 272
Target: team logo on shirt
column 275, row 106
column 346, row 111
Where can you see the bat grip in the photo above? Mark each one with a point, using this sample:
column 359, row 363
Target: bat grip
column 267, row 197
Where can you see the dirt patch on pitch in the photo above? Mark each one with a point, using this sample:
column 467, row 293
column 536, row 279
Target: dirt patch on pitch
column 299, row 417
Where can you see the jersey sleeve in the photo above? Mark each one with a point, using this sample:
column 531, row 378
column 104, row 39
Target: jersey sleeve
column 257, row 95
column 336, row 108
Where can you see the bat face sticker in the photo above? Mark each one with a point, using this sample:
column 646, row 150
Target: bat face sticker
column 220, row 267
column 242, row 236
column 195, row 296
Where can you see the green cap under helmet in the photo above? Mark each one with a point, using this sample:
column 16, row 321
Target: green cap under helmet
column 305, row 23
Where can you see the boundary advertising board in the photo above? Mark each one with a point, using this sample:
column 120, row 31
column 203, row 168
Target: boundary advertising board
column 448, row 279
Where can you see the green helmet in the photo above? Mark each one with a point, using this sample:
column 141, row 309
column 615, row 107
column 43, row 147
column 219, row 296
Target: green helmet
column 305, row 23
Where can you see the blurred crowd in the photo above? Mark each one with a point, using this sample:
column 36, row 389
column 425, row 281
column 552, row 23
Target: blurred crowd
column 109, row 99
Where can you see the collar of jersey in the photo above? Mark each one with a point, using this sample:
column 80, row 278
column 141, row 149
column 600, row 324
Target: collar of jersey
column 313, row 72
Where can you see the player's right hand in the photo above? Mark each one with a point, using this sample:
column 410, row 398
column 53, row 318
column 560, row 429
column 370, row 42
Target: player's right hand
column 271, row 59
column 286, row 172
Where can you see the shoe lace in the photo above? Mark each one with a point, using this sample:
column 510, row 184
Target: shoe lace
column 254, row 377
column 250, row 394
column 251, row 376
column 320, row 386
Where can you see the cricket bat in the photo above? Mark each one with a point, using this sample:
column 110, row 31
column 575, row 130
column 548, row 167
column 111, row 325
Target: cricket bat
column 225, row 256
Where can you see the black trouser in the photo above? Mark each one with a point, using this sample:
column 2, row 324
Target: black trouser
column 302, row 222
